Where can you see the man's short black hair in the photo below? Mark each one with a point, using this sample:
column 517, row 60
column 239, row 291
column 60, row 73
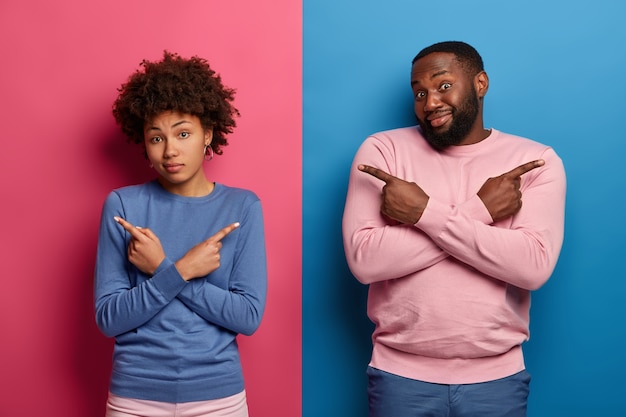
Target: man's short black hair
column 465, row 54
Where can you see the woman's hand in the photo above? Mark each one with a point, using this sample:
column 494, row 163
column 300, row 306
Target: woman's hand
column 203, row 258
column 144, row 250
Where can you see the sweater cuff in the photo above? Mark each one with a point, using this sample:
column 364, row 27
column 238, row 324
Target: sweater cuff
column 475, row 209
column 434, row 218
column 167, row 279
column 437, row 214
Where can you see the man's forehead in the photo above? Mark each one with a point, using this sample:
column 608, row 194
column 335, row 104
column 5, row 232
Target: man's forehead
column 434, row 65
column 435, row 62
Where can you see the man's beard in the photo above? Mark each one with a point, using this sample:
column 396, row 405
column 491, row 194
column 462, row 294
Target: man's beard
column 463, row 119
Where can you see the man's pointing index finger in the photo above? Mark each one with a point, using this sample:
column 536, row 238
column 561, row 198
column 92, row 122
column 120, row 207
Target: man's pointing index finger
column 524, row 168
column 375, row 172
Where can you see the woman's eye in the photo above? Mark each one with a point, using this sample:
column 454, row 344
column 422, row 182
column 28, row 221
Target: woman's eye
column 156, row 139
column 184, row 135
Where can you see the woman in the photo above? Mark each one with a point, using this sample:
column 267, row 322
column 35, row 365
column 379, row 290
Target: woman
column 181, row 266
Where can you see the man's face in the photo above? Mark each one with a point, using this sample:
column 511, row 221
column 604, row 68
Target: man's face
column 446, row 103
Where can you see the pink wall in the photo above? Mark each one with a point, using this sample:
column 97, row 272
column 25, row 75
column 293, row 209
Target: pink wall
column 62, row 153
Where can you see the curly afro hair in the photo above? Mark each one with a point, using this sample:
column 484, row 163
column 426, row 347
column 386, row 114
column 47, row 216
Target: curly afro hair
column 176, row 84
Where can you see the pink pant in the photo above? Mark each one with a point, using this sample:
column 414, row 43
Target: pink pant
column 233, row 406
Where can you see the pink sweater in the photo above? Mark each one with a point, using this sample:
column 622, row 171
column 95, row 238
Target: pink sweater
column 450, row 295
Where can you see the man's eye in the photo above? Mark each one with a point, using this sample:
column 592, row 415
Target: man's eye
column 420, row 95
column 445, row 86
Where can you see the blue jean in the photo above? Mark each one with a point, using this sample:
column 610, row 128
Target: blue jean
column 395, row 396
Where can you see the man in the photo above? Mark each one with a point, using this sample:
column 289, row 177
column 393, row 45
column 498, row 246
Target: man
column 434, row 223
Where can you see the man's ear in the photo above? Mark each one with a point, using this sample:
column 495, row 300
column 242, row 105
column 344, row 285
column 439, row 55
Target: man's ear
column 481, row 84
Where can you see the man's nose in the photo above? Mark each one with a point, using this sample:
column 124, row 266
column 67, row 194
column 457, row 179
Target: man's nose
column 432, row 102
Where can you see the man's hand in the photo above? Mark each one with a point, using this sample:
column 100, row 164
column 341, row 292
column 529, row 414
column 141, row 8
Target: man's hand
column 144, row 250
column 203, row 258
column 501, row 195
column 402, row 201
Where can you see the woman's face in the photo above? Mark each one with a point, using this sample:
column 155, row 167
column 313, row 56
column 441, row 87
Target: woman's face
column 175, row 147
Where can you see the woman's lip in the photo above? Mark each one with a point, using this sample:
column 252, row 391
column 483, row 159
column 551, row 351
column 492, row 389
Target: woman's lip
column 173, row 167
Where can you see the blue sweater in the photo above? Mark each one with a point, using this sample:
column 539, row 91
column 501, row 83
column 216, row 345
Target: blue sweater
column 175, row 340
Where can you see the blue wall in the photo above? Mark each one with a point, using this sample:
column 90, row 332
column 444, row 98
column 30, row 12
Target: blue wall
column 557, row 75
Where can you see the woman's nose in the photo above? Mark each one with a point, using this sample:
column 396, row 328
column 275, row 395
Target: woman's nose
column 170, row 148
